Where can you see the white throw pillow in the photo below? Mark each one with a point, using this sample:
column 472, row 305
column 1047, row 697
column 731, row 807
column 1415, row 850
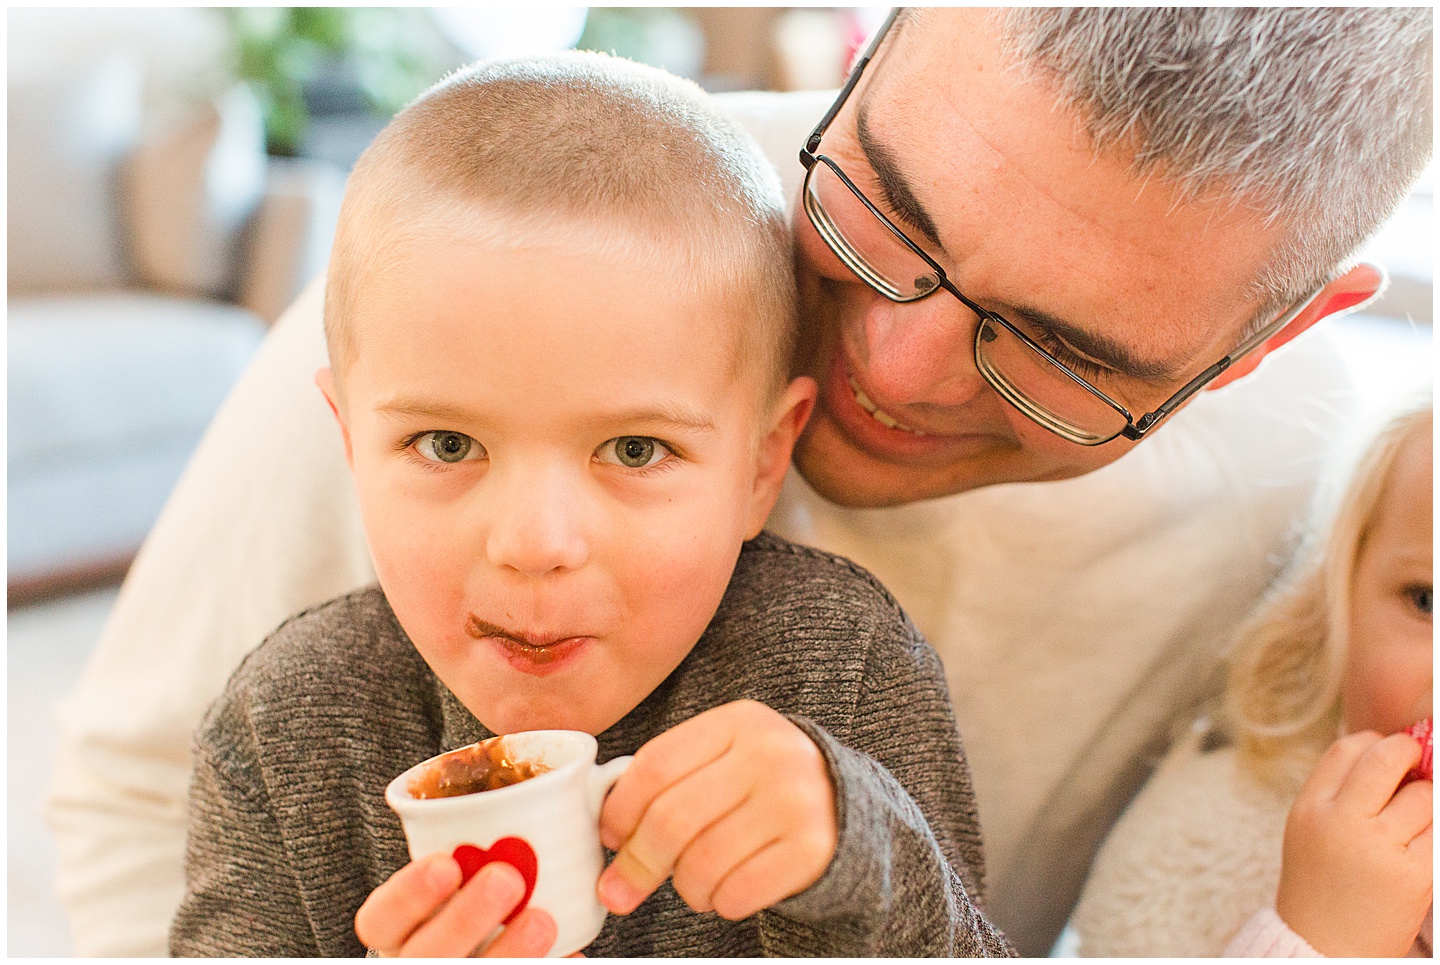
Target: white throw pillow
column 190, row 193
column 68, row 133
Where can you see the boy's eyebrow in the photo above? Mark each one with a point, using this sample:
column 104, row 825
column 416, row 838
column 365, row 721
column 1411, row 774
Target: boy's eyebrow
column 667, row 413
column 439, row 411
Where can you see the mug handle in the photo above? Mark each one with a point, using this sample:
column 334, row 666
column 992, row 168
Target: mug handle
column 602, row 779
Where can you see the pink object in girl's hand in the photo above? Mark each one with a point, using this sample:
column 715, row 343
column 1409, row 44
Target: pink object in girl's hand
column 1421, row 730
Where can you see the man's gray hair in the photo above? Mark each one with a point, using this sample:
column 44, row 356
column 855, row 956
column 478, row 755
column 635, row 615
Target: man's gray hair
column 1319, row 118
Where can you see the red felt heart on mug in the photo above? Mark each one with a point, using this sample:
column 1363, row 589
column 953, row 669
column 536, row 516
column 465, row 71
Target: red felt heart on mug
column 516, row 852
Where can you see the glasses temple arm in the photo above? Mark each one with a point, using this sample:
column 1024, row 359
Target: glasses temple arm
column 1201, row 380
column 807, row 153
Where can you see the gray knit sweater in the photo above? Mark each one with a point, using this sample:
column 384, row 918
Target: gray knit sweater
column 289, row 830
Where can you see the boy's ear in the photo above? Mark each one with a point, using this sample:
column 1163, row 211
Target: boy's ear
column 1350, row 291
column 325, row 379
column 772, row 460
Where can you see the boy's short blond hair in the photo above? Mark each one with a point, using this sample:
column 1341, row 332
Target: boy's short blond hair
column 577, row 148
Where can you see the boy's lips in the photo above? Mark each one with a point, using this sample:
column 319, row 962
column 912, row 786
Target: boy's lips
column 536, row 654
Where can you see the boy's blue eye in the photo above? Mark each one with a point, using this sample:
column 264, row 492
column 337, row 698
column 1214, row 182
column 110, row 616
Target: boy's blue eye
column 633, row 452
column 448, row 447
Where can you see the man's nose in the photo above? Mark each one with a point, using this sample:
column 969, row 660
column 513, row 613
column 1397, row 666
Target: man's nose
column 536, row 523
column 922, row 352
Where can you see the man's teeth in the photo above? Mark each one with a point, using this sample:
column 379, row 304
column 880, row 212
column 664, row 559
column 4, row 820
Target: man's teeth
column 884, row 418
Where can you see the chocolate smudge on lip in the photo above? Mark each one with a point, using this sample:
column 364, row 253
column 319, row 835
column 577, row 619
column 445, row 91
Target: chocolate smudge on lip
column 536, row 652
column 479, row 629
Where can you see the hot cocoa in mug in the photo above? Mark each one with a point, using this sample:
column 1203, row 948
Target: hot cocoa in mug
column 530, row 799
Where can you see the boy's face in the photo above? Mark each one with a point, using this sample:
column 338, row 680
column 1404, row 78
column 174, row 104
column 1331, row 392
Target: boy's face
column 556, row 461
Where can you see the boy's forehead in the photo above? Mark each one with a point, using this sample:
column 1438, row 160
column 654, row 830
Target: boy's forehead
column 454, row 303
column 549, row 274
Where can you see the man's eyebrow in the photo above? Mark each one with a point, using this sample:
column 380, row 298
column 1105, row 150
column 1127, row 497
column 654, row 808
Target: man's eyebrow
column 1099, row 348
column 895, row 186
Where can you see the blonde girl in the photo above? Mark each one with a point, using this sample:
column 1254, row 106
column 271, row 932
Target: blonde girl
column 1268, row 835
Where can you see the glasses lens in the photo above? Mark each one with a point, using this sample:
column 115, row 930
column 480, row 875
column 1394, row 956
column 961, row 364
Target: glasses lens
column 863, row 242
column 1041, row 389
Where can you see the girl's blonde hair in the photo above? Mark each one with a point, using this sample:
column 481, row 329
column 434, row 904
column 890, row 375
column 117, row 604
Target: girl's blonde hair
column 1282, row 705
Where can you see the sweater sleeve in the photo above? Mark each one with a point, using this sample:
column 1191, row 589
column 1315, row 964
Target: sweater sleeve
column 1266, row 935
column 241, row 896
column 906, row 877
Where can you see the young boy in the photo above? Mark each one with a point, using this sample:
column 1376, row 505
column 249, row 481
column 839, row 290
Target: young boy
column 559, row 314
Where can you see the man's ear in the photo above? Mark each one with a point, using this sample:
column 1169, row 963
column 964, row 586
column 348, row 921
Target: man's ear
column 772, row 458
column 325, row 379
column 1346, row 293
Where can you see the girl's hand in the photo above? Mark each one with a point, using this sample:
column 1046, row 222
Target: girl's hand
column 422, row 911
column 735, row 804
column 1357, row 878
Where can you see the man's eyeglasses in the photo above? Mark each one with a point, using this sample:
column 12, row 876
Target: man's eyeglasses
column 1025, row 374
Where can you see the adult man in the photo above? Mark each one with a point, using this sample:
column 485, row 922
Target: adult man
column 1131, row 194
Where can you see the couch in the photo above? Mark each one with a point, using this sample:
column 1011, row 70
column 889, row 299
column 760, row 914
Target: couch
column 150, row 241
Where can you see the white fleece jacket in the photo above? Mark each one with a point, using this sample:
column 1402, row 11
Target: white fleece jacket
column 1192, row 867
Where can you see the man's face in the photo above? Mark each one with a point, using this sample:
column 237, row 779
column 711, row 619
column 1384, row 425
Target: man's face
column 982, row 170
column 555, row 463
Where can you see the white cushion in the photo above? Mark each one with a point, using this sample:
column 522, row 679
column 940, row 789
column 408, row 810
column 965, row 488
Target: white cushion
column 95, row 378
column 68, row 132
column 189, row 193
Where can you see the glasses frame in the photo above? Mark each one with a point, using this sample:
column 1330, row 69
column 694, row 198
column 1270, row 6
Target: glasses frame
column 1134, row 429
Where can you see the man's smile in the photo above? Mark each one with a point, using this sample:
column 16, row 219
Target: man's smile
column 878, row 414
column 874, row 430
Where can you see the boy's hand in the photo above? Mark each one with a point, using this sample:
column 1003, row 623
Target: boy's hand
column 735, row 804
column 1357, row 877
column 422, row 911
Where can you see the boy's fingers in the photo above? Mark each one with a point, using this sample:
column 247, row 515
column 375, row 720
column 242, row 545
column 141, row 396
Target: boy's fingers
column 630, row 879
column 761, row 880
column 1376, row 773
column 529, row 935
column 660, row 763
column 400, row 905
column 470, row 917
column 719, row 850
column 669, row 825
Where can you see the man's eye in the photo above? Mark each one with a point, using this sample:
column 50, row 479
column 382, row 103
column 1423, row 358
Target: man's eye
column 448, row 447
column 633, row 452
column 1422, row 598
column 1066, row 356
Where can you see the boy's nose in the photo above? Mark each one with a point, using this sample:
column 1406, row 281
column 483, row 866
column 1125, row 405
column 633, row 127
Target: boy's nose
column 535, row 528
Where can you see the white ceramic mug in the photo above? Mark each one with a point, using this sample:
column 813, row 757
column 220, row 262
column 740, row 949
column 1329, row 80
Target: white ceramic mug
column 556, row 813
